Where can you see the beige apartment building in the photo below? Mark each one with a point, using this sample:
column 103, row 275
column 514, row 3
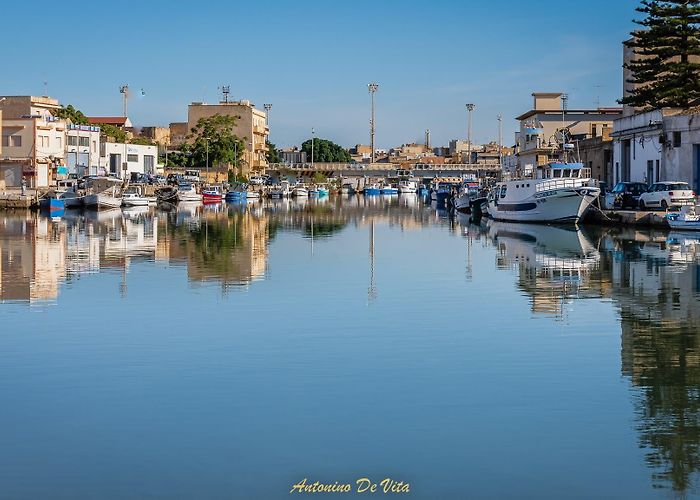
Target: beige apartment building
column 251, row 127
column 540, row 128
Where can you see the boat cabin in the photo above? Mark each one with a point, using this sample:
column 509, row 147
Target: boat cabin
column 564, row 170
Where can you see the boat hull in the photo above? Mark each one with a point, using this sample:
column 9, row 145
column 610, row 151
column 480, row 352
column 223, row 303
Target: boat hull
column 564, row 205
column 372, row 191
column 102, row 200
column 52, row 205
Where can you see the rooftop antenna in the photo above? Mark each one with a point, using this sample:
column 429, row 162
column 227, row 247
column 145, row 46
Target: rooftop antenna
column 46, row 88
column 427, row 139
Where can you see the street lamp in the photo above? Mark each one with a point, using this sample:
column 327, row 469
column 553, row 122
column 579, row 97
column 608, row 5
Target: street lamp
column 500, row 140
column 124, row 90
column 470, row 109
column 207, row 139
column 267, row 107
column 313, row 132
column 372, row 87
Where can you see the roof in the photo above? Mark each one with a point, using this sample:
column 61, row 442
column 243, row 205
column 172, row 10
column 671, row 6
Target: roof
column 599, row 111
column 109, row 120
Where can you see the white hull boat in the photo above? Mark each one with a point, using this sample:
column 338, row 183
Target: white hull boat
column 134, row 200
column 103, row 200
column 685, row 220
column 408, row 187
column 300, row 192
column 562, row 196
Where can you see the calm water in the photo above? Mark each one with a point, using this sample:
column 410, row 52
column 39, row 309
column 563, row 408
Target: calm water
column 230, row 352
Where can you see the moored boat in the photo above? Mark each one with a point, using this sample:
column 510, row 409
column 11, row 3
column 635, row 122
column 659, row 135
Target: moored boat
column 389, row 189
column 300, row 191
column 561, row 193
column 372, row 189
column 686, row 219
column 132, row 198
column 212, row 194
column 408, row 186
column 187, row 192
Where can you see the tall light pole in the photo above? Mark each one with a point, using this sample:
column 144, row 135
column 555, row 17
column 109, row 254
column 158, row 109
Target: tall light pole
column 267, row 107
column 124, row 90
column 470, row 109
column 313, row 139
column 207, row 159
column 372, row 87
column 500, row 141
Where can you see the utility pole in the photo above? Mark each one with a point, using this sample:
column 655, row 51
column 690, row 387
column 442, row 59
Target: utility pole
column 207, row 159
column 267, row 107
column 372, row 87
column 470, row 109
column 313, row 139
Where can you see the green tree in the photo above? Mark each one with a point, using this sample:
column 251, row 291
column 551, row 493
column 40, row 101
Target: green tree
column 112, row 132
column 326, row 151
column 215, row 134
column 70, row 113
column 273, row 155
column 144, row 141
column 665, row 70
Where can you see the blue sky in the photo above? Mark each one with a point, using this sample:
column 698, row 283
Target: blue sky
column 313, row 59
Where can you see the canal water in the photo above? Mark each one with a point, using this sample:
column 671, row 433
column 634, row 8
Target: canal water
column 233, row 351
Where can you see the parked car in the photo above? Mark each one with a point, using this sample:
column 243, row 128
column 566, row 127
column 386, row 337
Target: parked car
column 625, row 195
column 665, row 195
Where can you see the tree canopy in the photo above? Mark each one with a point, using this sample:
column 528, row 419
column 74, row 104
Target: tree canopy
column 326, row 151
column 273, row 155
column 70, row 113
column 666, row 69
column 223, row 145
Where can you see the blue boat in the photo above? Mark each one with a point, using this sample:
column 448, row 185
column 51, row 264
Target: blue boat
column 423, row 191
column 322, row 191
column 52, row 205
column 372, row 189
column 389, row 189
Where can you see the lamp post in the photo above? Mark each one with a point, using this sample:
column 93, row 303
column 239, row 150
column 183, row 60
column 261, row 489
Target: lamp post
column 267, row 107
column 313, row 132
column 470, row 110
column 500, row 141
column 372, row 87
column 207, row 159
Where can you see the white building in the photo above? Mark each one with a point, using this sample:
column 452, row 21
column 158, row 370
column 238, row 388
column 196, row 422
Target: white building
column 83, row 149
column 140, row 159
column 659, row 145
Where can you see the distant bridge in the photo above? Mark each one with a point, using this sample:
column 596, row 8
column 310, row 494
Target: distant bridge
column 385, row 169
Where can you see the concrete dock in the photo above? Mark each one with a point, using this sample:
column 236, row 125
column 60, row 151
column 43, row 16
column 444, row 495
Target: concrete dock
column 637, row 218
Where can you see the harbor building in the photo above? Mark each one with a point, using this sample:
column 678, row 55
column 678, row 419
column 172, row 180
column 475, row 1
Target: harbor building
column 655, row 145
column 539, row 135
column 292, row 156
column 28, row 106
column 251, row 127
column 32, row 148
column 178, row 133
column 140, row 159
column 597, row 154
column 82, row 149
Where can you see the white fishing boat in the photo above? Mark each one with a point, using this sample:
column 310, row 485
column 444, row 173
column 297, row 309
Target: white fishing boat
column 280, row 190
column 408, row 186
column 300, row 191
column 132, row 198
column 110, row 198
column 187, row 192
column 468, row 192
column 559, row 193
column 685, row 220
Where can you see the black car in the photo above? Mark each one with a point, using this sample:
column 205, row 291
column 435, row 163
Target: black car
column 626, row 194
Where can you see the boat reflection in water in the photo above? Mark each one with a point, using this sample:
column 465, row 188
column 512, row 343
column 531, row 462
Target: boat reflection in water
column 553, row 262
column 647, row 282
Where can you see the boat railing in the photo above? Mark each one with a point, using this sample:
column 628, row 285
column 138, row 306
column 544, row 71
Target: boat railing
column 560, row 184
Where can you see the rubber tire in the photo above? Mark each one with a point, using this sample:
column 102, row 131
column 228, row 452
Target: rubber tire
column 664, row 205
column 642, row 205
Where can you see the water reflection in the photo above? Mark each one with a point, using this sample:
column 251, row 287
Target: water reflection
column 653, row 278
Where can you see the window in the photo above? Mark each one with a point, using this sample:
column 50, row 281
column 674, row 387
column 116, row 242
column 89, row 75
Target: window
column 16, row 141
column 594, row 130
column 658, row 178
column 503, row 191
column 132, row 158
column 84, row 142
column 676, row 139
column 149, row 164
column 59, row 142
column 94, row 146
column 72, row 140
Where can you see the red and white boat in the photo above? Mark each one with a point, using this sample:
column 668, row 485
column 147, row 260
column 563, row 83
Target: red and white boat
column 212, row 194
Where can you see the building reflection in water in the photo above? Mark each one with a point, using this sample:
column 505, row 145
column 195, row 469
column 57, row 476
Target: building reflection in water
column 654, row 280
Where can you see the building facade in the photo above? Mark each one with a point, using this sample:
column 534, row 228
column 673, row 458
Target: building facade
column 539, row 137
column 33, row 149
column 121, row 160
column 251, row 127
column 82, row 149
